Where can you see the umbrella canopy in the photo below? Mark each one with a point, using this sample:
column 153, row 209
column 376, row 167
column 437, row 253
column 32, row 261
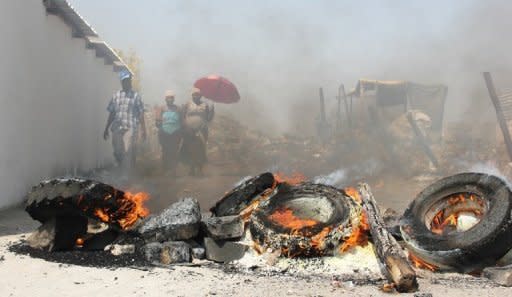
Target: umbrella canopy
column 218, row 89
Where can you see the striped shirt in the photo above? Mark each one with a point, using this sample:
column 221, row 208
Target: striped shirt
column 127, row 108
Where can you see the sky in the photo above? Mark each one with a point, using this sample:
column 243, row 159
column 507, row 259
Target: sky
column 279, row 53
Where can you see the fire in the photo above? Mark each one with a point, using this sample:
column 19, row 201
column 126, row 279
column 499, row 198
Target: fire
column 286, row 218
column 441, row 222
column 359, row 235
column 130, row 209
column 419, row 263
column 133, row 207
column 102, row 215
column 318, row 239
column 353, row 193
column 295, row 179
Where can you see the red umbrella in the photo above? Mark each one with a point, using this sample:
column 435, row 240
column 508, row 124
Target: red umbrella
column 218, row 89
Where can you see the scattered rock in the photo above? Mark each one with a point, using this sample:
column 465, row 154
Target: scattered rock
column 121, row 249
column 180, row 221
column 422, row 294
column 175, row 252
column 43, row 237
column 223, row 251
column 228, row 227
column 198, row 253
column 167, row 253
column 500, row 275
column 152, row 252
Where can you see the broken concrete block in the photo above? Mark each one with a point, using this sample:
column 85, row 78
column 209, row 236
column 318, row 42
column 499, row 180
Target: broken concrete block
column 223, row 251
column 500, row 275
column 180, row 221
column 175, row 252
column 228, row 227
column 167, row 253
column 152, row 252
column 198, row 253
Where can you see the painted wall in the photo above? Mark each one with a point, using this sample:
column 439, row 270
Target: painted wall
column 53, row 98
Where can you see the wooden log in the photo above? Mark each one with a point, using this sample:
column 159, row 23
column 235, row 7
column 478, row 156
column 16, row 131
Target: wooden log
column 499, row 113
column 390, row 254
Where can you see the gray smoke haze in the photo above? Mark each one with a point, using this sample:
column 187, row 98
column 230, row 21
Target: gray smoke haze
column 280, row 53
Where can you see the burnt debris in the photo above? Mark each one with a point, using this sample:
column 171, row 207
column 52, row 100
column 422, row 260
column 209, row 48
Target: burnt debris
column 278, row 217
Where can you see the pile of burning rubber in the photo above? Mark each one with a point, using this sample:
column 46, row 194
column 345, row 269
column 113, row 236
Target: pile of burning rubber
column 461, row 223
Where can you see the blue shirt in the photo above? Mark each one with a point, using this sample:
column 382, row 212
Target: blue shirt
column 170, row 121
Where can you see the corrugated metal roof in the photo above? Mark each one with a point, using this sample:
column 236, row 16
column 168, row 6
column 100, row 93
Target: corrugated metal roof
column 81, row 29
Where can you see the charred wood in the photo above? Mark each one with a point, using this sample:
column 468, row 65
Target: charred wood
column 389, row 252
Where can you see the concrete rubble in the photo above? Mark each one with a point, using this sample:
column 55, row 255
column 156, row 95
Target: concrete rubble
column 228, row 227
column 500, row 275
column 167, row 253
column 180, row 221
column 223, row 251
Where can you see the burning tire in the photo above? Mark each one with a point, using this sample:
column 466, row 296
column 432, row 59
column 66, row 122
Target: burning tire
column 305, row 220
column 243, row 195
column 462, row 222
column 81, row 212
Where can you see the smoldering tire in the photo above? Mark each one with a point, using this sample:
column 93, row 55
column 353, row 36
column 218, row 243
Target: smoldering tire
column 479, row 245
column 305, row 220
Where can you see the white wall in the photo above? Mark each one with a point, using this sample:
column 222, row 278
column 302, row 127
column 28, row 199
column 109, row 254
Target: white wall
column 53, row 97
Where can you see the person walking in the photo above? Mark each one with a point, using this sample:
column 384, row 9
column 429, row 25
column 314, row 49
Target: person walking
column 168, row 122
column 126, row 114
column 196, row 116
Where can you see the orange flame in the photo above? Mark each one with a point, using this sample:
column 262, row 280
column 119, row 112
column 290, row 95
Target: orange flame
column 318, row 239
column 440, row 222
column 359, row 235
column 286, row 218
column 135, row 209
column 354, row 194
column 419, row 263
column 295, row 179
column 131, row 208
column 102, row 215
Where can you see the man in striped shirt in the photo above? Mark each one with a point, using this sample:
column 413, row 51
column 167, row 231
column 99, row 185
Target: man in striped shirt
column 126, row 113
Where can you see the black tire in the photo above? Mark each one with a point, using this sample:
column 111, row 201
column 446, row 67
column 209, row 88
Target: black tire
column 480, row 246
column 73, row 197
column 243, row 195
column 345, row 213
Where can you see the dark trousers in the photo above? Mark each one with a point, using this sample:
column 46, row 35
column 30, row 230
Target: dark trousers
column 170, row 146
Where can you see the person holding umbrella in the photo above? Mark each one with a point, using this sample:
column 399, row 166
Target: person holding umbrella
column 168, row 122
column 196, row 116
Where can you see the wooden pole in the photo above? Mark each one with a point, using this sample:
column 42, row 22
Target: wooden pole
column 421, row 138
column 499, row 113
column 398, row 270
column 322, row 106
column 347, row 112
